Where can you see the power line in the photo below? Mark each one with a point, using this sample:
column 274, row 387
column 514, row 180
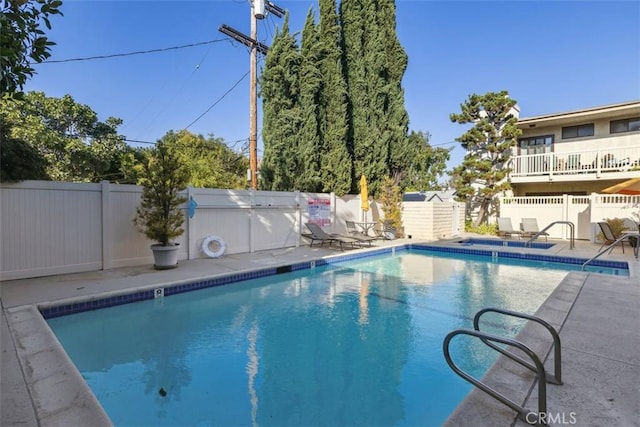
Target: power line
column 140, row 52
column 219, row 99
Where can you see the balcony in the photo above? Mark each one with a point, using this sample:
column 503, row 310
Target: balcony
column 588, row 165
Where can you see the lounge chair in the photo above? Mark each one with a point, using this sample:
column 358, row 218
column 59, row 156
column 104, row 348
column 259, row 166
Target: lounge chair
column 505, row 229
column 608, row 238
column 318, row 234
column 358, row 234
column 530, row 228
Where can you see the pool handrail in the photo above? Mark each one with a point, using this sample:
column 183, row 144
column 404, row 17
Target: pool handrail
column 556, row 378
column 572, row 238
column 610, row 247
column 523, row 413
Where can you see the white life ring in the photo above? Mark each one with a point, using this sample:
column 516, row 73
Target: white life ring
column 222, row 246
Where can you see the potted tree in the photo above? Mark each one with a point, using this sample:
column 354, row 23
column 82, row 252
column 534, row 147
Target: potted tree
column 159, row 216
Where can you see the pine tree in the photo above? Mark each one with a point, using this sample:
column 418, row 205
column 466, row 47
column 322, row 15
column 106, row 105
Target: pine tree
column 281, row 108
column 488, row 144
column 336, row 161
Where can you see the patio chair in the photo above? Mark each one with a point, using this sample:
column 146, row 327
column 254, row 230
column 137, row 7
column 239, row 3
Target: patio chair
column 318, row 234
column 530, row 228
column 608, row 237
column 384, row 230
column 505, row 228
column 358, row 234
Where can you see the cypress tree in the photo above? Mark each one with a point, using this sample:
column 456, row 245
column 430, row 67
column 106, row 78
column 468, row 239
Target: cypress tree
column 396, row 123
column 281, row 113
column 336, row 161
column 375, row 64
column 363, row 60
column 352, row 38
column 309, row 146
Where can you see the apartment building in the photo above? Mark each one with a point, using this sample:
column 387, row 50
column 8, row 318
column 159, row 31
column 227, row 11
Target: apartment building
column 577, row 152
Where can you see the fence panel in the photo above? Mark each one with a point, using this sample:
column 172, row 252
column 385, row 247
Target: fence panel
column 579, row 212
column 546, row 209
column 49, row 228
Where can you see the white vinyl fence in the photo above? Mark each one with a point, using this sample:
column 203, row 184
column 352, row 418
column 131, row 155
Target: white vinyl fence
column 57, row 227
column 583, row 211
column 52, row 227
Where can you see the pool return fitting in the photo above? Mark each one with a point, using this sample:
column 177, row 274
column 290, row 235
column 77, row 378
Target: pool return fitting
column 537, row 366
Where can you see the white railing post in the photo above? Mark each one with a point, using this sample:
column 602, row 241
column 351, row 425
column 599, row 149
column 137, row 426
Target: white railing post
column 298, row 217
column 191, row 227
column 593, row 211
column 252, row 219
column 565, row 211
column 107, row 232
column 333, row 211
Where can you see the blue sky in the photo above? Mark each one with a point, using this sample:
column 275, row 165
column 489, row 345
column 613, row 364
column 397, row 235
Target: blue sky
column 551, row 56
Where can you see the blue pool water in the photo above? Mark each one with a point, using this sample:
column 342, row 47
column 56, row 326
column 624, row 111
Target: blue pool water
column 351, row 344
column 502, row 242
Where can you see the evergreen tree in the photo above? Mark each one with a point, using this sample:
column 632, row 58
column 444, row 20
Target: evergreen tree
column 282, row 121
column 353, row 37
column 310, row 151
column 395, row 120
column 336, row 161
column 375, row 63
column 484, row 169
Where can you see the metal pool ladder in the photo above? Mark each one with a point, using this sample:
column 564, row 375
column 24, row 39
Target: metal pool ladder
column 611, row 246
column 572, row 238
column 542, row 376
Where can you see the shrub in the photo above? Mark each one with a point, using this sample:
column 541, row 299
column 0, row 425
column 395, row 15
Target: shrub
column 391, row 199
column 490, row 229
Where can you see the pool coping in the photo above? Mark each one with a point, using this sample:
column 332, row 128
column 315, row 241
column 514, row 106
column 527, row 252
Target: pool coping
column 46, row 366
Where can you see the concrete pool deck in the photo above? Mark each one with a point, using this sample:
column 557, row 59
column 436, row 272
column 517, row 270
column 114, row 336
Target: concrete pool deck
column 597, row 316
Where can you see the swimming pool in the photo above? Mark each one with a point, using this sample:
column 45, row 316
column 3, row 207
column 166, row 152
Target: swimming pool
column 353, row 343
column 502, row 242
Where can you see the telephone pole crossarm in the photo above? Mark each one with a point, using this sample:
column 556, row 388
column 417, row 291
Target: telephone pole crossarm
column 255, row 46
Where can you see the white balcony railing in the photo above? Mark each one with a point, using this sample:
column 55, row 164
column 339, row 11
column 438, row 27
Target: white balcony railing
column 597, row 163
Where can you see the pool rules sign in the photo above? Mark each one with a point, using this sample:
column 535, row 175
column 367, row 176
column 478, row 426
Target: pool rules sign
column 319, row 211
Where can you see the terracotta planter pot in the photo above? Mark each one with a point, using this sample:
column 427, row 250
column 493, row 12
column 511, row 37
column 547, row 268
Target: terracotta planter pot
column 165, row 257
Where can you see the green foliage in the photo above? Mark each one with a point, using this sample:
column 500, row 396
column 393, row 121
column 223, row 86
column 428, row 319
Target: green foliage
column 18, row 160
column 335, row 160
column 66, row 137
column 282, row 121
column 23, row 41
column 162, row 177
column 336, row 111
column 309, row 144
column 484, row 228
column 375, row 63
column 208, row 161
column 390, row 197
column 426, row 164
column 484, row 169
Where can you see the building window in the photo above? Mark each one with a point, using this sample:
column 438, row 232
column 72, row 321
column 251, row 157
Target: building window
column 624, row 125
column 577, row 131
column 535, row 144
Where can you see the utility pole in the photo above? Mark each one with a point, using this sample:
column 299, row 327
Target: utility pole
column 253, row 97
column 257, row 12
